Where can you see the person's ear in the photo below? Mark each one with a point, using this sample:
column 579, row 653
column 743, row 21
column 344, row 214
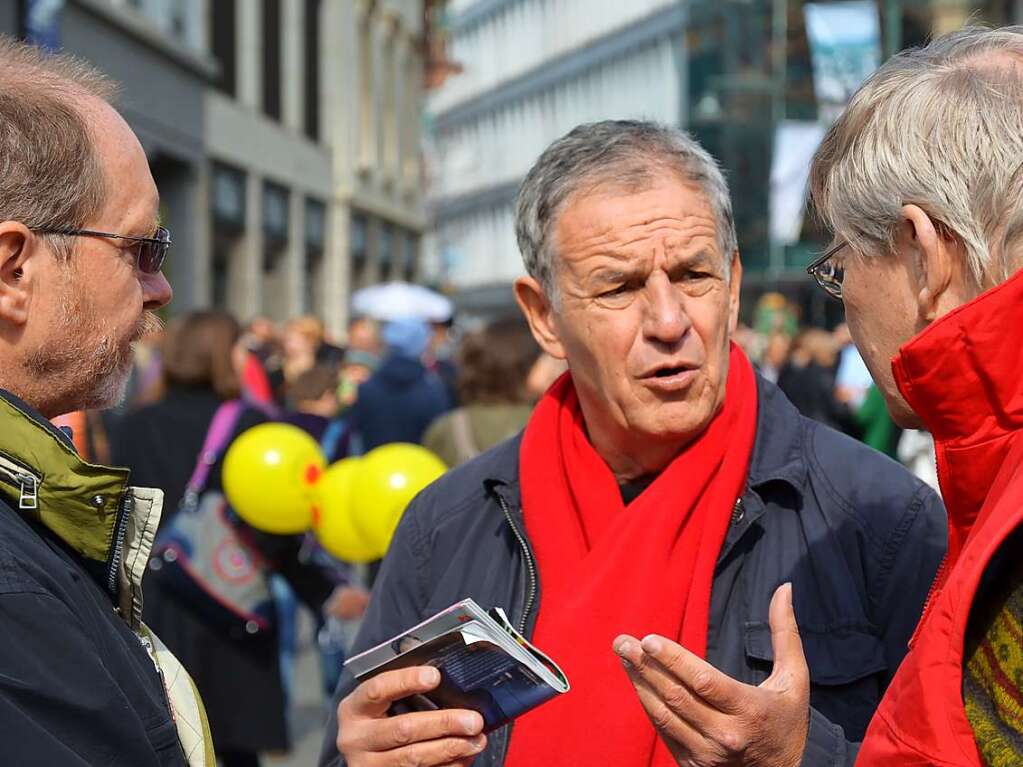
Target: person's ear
column 16, row 271
column 540, row 315
column 937, row 263
column 734, row 291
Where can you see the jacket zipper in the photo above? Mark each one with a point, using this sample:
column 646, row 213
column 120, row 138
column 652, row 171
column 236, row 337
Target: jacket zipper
column 530, row 565
column 505, row 734
column 119, row 531
column 939, row 576
column 27, row 481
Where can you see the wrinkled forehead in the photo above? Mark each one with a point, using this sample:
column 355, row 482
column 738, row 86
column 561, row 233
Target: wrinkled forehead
column 667, row 214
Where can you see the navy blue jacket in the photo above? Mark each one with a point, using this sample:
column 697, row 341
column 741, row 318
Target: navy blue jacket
column 857, row 535
column 398, row 403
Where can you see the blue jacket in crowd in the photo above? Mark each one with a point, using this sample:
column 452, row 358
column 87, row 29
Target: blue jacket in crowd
column 398, row 402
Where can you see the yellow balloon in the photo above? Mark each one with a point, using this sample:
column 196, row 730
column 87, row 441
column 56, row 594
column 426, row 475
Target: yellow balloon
column 388, row 478
column 270, row 476
column 333, row 515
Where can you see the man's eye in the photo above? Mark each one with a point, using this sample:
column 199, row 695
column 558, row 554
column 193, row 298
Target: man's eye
column 620, row 290
column 692, row 276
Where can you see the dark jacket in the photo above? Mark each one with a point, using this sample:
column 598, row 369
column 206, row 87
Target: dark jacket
column 79, row 681
column 398, row 403
column 857, row 535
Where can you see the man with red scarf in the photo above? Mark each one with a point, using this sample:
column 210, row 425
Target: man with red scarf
column 921, row 181
column 660, row 490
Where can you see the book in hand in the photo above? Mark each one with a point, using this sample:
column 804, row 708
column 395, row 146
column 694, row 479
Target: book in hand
column 484, row 663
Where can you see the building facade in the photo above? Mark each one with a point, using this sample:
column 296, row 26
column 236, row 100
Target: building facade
column 729, row 71
column 284, row 136
column 532, row 69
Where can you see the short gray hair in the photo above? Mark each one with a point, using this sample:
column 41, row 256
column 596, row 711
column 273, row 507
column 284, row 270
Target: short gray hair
column 939, row 127
column 628, row 153
column 50, row 175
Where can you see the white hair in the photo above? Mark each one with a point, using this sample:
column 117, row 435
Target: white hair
column 940, row 127
column 628, row 153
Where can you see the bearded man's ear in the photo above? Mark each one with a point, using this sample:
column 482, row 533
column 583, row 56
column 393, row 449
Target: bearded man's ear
column 17, row 246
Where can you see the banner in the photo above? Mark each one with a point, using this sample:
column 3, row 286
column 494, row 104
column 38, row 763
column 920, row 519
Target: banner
column 794, row 145
column 845, row 47
column 42, row 22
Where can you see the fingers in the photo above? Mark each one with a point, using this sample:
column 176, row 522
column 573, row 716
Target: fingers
column 681, row 737
column 790, row 669
column 433, row 753
column 374, row 697
column 398, row 731
column 704, row 682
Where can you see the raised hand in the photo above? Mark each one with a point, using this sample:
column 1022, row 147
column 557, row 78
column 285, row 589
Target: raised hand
column 707, row 718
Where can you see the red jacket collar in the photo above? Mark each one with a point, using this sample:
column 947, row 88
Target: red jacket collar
column 963, row 375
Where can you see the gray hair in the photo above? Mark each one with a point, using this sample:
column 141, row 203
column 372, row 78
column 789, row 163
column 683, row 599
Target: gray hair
column 628, row 153
column 939, row 127
column 50, row 176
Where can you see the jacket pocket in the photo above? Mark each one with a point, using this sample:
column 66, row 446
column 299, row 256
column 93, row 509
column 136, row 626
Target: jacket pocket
column 847, row 670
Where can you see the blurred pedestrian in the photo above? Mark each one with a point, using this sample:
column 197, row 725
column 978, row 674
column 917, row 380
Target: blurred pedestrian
column 775, row 357
column 920, row 180
column 808, row 379
column 82, row 680
column 160, row 442
column 402, row 398
column 493, row 370
column 238, row 676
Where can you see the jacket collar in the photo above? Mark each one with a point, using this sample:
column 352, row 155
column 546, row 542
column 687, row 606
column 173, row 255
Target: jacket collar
column 778, row 453
column 89, row 508
column 963, row 376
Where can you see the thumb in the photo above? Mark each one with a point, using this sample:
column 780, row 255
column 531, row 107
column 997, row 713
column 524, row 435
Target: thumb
column 790, row 672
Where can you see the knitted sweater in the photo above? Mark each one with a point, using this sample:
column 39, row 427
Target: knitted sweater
column 993, row 676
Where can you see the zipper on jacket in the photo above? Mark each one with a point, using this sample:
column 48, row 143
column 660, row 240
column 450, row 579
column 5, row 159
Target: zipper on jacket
column 124, row 512
column 530, row 565
column 27, row 481
column 939, row 577
column 531, row 593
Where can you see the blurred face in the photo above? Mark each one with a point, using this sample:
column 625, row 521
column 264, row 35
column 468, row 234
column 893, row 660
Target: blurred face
column 99, row 304
column 646, row 305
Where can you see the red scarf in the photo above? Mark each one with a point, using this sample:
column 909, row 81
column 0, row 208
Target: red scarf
column 606, row 569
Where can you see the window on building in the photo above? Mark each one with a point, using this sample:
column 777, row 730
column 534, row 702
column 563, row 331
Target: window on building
column 312, row 69
column 228, row 198
column 358, row 247
column 410, row 256
column 275, row 224
column 272, row 58
column 224, row 35
column 385, row 250
column 315, row 236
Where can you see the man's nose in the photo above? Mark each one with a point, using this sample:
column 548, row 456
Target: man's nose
column 156, row 291
column 666, row 319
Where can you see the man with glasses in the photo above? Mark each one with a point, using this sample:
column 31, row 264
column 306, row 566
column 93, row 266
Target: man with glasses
column 921, row 181
column 82, row 681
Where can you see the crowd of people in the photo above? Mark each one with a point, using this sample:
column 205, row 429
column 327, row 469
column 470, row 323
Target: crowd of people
column 679, row 520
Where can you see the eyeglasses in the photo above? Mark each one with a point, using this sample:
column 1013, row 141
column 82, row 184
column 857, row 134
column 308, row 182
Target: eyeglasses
column 152, row 251
column 827, row 273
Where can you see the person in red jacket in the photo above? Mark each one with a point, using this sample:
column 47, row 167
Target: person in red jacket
column 921, row 180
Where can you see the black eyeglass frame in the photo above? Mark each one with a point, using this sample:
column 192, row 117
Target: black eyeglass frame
column 161, row 244
column 832, row 287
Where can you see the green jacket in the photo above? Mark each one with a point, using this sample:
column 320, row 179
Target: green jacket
column 62, row 516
